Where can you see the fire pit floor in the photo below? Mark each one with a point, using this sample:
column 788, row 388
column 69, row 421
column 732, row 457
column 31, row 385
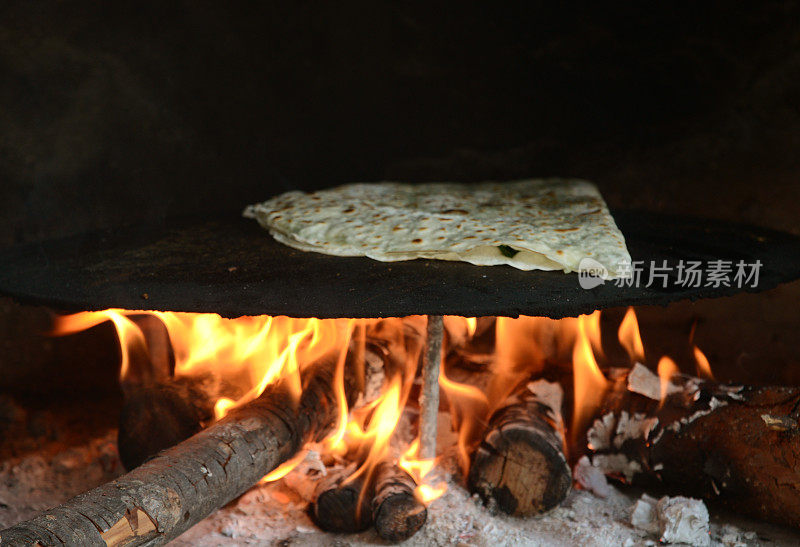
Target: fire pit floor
column 275, row 513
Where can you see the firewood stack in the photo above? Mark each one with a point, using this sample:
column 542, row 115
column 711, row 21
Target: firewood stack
column 520, row 464
column 739, row 445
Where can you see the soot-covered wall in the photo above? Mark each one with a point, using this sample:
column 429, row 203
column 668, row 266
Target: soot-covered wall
column 123, row 112
column 113, row 112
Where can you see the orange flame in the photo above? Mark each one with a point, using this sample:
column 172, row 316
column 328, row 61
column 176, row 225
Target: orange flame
column 469, row 406
column 245, row 354
column 428, row 487
column 285, row 468
column 592, row 325
column 460, row 329
column 703, row 366
column 472, row 326
column 336, row 438
column 129, row 334
column 373, row 431
column 666, row 370
column 589, row 382
column 630, row 338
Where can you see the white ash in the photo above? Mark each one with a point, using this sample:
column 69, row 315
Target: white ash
column 676, row 426
column 274, row 514
column 550, row 394
column 732, row 391
column 610, row 430
column 645, row 382
column 636, row 426
column 617, row 464
column 591, row 478
column 673, row 519
column 683, row 520
column 643, row 514
column 731, row 536
column 599, row 435
column 43, row 479
column 302, row 480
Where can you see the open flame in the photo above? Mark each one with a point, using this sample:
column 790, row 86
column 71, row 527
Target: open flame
column 703, row 366
column 588, row 381
column 630, row 338
column 129, row 335
column 666, row 370
column 469, row 408
column 244, row 356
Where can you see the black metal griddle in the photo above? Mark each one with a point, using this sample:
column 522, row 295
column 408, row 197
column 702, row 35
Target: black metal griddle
column 232, row 267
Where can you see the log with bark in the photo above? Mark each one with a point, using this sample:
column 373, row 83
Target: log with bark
column 167, row 495
column 396, row 512
column 520, row 465
column 160, row 410
column 736, row 444
column 342, row 504
column 384, row 498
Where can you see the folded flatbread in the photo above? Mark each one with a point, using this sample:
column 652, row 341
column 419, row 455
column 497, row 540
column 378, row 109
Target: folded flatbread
column 547, row 224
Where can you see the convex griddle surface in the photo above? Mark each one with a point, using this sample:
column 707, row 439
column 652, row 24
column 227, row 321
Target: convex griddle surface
column 231, row 267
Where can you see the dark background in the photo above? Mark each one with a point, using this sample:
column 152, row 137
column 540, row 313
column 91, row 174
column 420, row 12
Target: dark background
column 118, row 113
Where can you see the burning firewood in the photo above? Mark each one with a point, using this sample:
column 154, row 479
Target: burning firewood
column 346, row 504
column 341, row 505
column 158, row 415
column 520, row 465
column 165, row 496
column 737, row 444
column 397, row 513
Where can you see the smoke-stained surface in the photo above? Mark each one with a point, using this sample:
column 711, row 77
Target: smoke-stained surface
column 115, row 113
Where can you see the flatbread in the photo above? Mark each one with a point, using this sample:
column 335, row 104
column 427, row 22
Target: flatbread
column 543, row 224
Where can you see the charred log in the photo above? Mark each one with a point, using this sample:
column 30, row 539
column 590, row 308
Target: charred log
column 342, row 504
column 165, row 496
column 736, row 444
column 156, row 416
column 397, row 513
column 520, row 465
